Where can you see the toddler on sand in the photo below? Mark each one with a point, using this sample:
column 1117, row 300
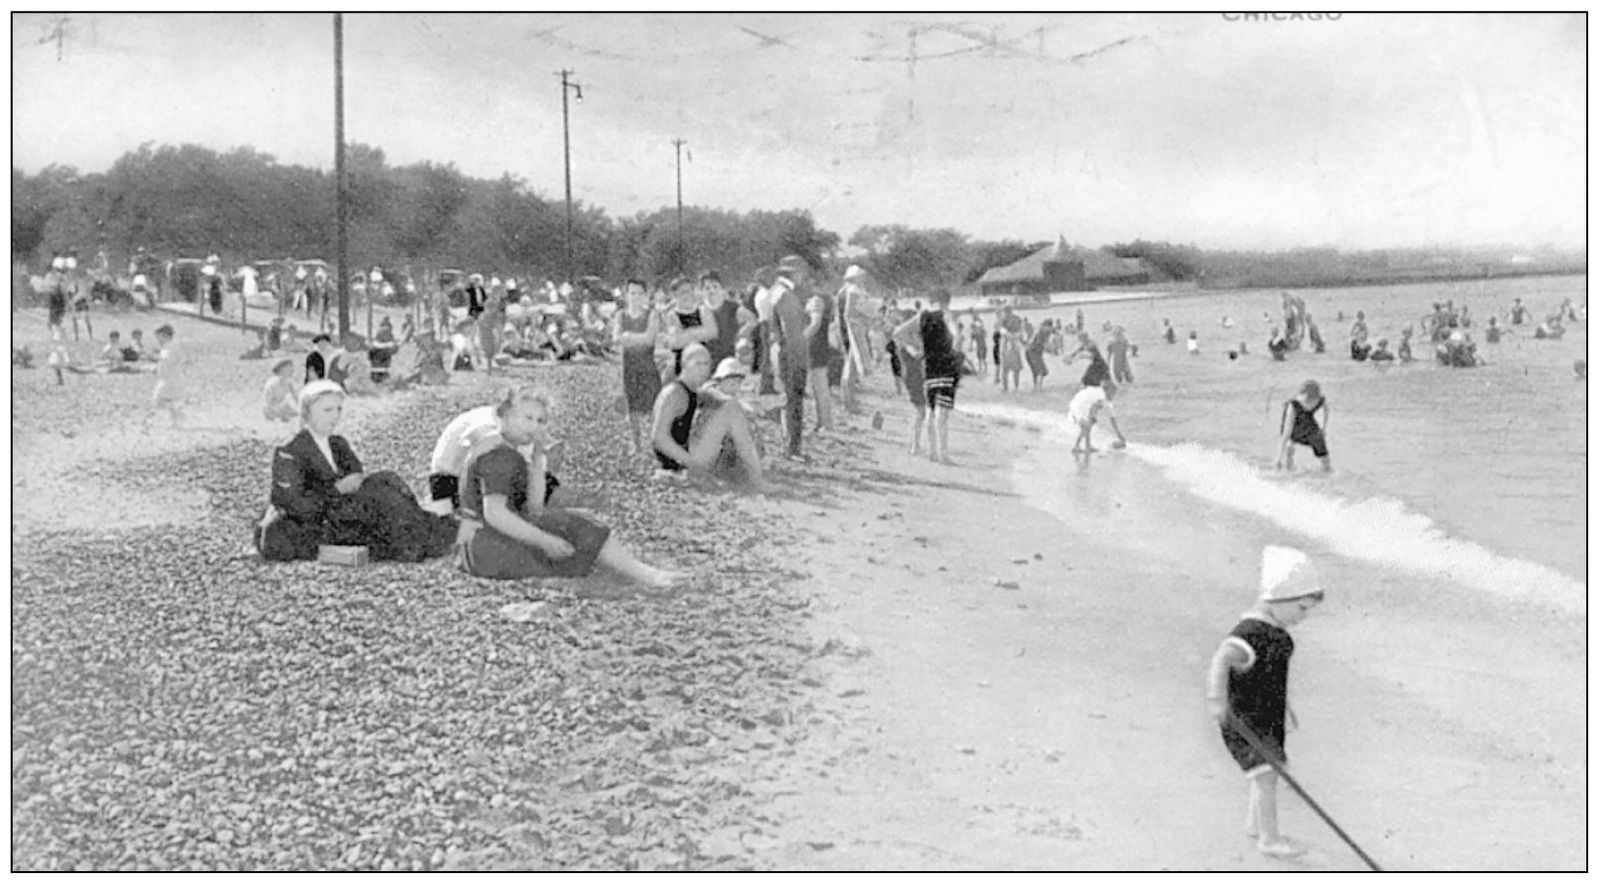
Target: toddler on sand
column 1247, row 685
column 169, row 393
column 279, row 393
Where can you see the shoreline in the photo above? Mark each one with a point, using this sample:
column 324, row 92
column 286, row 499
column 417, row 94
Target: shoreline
column 968, row 302
column 895, row 665
column 1005, row 717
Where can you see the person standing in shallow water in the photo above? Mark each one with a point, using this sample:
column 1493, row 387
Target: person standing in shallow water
column 1035, row 353
column 1299, row 426
column 1120, row 371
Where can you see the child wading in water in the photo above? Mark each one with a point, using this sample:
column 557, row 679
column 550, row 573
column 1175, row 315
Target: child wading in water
column 1249, row 680
column 1299, row 426
column 1085, row 408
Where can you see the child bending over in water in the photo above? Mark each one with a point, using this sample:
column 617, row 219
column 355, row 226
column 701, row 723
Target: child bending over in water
column 1299, row 426
column 1085, row 408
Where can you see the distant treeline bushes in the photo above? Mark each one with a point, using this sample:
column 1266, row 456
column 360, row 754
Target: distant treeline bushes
column 190, row 201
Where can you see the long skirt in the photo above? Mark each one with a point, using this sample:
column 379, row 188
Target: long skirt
column 382, row 515
column 493, row 555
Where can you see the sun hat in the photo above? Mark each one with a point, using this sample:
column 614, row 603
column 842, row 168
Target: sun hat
column 316, row 389
column 1287, row 574
column 729, row 367
column 792, row 263
column 854, row 272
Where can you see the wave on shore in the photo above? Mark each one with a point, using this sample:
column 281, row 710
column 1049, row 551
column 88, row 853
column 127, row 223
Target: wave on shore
column 1376, row 530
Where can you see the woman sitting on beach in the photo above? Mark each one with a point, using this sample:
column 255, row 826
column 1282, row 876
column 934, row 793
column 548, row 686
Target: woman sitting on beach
column 509, row 532
column 322, row 496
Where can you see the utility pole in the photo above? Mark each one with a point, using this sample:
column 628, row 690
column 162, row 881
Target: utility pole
column 343, row 321
column 680, row 241
column 569, row 195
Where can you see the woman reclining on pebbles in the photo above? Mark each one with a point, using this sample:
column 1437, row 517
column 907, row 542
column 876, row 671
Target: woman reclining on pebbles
column 509, row 532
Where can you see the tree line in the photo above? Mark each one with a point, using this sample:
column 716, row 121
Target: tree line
column 190, row 201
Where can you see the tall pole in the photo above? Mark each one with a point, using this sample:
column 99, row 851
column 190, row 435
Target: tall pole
column 680, row 242
column 342, row 286
column 569, row 195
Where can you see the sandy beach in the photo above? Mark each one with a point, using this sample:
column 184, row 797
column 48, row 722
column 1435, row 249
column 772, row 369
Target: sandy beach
column 892, row 665
column 1055, row 721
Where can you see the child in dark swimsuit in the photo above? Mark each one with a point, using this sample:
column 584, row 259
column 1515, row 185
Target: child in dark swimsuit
column 1299, row 426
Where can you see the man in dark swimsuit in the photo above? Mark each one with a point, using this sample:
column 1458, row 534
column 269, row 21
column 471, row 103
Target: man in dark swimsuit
column 722, row 434
column 929, row 332
column 729, row 317
column 693, row 321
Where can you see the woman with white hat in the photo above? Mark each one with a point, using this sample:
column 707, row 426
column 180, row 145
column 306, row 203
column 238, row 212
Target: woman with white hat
column 322, row 496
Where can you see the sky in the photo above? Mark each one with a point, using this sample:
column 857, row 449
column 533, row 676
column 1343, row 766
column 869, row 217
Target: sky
column 1372, row 130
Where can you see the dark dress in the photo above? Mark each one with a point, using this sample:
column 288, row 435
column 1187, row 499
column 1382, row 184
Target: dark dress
column 382, row 514
column 1098, row 371
column 315, row 367
column 1305, row 430
column 493, row 555
column 820, row 348
column 58, row 302
column 642, row 381
column 476, row 297
column 1035, row 349
column 724, row 345
column 1258, row 696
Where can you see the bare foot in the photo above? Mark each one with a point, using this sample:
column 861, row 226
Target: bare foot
column 663, row 580
column 1278, row 847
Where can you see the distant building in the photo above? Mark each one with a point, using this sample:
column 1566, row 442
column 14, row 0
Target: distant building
column 1036, row 276
column 1060, row 267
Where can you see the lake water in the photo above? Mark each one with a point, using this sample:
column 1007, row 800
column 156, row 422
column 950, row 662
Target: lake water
column 1471, row 476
